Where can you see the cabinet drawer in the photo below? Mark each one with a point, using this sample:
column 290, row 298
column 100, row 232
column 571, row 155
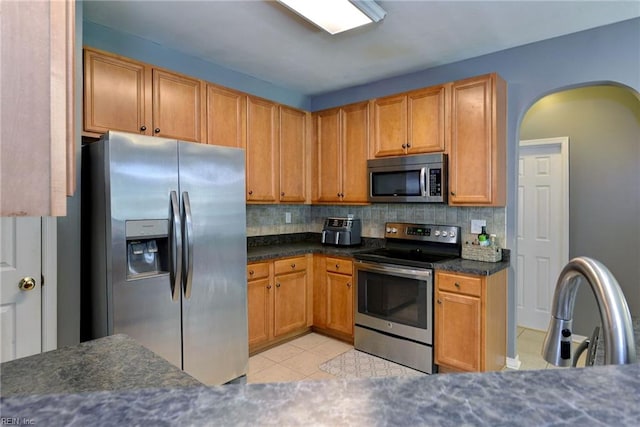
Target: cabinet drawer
column 460, row 284
column 290, row 265
column 258, row 270
column 337, row 265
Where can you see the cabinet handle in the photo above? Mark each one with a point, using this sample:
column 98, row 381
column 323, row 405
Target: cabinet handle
column 277, row 285
column 157, row 130
column 348, row 284
column 250, row 272
column 439, row 302
column 268, row 286
column 404, row 145
column 457, row 285
column 282, row 194
column 408, row 145
column 337, row 266
column 453, row 193
column 250, row 192
column 293, row 266
column 143, row 128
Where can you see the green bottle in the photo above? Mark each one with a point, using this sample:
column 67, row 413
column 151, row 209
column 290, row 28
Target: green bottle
column 483, row 238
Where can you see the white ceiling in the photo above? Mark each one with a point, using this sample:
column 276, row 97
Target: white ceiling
column 261, row 38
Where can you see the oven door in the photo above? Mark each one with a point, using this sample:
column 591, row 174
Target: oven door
column 395, row 300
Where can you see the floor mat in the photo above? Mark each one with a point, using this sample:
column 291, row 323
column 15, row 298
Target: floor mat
column 356, row 364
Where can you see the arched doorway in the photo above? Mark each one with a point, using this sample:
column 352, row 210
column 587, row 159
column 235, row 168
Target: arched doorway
column 603, row 126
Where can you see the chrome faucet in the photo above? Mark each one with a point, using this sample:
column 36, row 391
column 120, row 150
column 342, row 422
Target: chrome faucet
column 617, row 327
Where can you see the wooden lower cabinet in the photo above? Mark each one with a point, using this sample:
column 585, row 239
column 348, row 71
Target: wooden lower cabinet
column 333, row 296
column 470, row 322
column 278, row 301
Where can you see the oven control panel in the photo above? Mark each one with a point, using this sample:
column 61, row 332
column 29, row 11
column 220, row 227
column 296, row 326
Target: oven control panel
column 422, row 232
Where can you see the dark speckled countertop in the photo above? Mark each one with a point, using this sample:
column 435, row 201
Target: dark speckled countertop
column 116, row 362
column 142, row 389
column 271, row 247
column 597, row 396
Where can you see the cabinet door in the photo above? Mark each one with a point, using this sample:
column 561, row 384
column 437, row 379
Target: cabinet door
column 319, row 291
column 389, row 129
column 290, row 302
column 177, row 106
column 477, row 154
column 262, row 151
column 426, row 120
column 355, row 144
column 226, row 117
column 458, row 331
column 117, row 94
column 328, row 158
column 340, row 302
column 293, row 131
column 259, row 308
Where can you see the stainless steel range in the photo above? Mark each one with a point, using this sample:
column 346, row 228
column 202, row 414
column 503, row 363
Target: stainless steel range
column 394, row 292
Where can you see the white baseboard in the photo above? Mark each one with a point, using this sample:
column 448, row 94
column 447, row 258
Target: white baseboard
column 513, row 362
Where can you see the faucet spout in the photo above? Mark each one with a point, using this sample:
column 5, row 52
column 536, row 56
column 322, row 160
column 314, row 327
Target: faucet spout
column 614, row 313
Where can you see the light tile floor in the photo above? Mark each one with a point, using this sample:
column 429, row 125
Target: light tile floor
column 296, row 360
column 300, row 359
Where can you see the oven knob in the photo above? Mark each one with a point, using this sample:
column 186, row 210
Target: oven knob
column 452, row 233
column 388, row 230
column 394, row 230
column 437, row 233
column 444, row 234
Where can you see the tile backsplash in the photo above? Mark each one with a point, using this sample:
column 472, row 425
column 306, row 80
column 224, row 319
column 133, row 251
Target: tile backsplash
column 270, row 219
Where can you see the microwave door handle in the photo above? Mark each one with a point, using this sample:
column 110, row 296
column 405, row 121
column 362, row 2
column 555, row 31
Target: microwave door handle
column 423, row 182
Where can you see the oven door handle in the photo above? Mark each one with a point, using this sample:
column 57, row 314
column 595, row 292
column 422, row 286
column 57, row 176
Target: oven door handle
column 393, row 270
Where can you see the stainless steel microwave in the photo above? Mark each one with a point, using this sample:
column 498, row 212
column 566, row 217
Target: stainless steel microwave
column 408, row 179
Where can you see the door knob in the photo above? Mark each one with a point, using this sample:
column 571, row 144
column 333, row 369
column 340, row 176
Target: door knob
column 27, row 284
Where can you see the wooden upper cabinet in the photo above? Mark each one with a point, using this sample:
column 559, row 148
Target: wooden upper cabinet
column 262, row 151
column 410, row 123
column 226, row 117
column 177, row 106
column 355, row 145
column 126, row 95
column 328, row 156
column 293, row 140
column 477, row 155
column 37, row 154
column 389, row 126
column 342, row 143
column 117, row 94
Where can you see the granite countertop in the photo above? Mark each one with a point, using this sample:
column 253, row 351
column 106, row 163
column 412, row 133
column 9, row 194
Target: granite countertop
column 272, row 248
column 603, row 395
column 116, row 362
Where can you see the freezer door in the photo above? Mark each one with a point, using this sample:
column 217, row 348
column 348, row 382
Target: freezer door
column 215, row 343
column 142, row 172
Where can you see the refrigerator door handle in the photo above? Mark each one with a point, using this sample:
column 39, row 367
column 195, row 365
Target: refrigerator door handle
column 188, row 234
column 176, row 258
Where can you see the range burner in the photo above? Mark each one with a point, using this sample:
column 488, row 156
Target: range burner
column 416, row 245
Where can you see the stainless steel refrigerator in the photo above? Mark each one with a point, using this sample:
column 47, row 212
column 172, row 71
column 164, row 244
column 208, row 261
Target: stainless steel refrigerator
column 164, row 247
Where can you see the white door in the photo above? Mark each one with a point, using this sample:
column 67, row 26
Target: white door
column 20, row 305
column 543, row 226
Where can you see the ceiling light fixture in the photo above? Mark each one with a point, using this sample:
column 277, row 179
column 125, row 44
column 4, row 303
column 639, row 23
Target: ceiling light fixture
column 336, row 16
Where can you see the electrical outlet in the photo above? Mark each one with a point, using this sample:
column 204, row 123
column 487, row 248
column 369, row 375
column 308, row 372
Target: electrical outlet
column 476, row 225
column 287, row 217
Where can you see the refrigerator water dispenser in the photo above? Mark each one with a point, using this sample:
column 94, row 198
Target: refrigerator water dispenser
column 147, row 248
